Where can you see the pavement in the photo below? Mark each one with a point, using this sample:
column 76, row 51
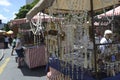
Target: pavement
column 9, row 70
column 1, row 54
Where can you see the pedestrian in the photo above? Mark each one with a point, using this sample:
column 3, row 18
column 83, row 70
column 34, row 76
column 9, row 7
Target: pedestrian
column 10, row 41
column 19, row 50
column 6, row 41
column 13, row 45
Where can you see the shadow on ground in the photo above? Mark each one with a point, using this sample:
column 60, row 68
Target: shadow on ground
column 36, row 72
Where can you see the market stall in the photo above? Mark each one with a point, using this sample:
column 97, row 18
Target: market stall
column 81, row 61
column 35, row 53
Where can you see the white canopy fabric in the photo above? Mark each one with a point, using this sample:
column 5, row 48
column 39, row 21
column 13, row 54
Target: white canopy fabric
column 10, row 32
column 67, row 5
column 2, row 31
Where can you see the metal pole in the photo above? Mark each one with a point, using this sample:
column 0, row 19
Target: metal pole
column 93, row 37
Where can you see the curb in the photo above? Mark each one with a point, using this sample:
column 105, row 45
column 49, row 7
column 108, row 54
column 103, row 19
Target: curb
column 2, row 55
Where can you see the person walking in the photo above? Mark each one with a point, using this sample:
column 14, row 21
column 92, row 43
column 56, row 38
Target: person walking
column 10, row 40
column 13, row 45
column 6, row 41
column 19, row 50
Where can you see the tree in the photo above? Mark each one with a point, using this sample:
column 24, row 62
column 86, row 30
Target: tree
column 6, row 28
column 25, row 9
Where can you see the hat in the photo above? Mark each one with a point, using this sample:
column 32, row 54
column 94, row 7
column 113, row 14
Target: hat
column 108, row 32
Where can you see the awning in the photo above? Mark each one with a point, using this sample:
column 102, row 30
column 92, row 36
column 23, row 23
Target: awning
column 18, row 21
column 42, row 16
column 67, row 5
column 112, row 12
column 10, row 32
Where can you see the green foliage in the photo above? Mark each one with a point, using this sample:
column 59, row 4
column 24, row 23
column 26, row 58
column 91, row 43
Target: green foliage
column 25, row 9
column 34, row 3
column 6, row 28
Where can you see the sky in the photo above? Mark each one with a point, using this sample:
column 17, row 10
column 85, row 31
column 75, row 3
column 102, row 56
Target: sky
column 8, row 8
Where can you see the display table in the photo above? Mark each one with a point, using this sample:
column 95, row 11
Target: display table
column 35, row 56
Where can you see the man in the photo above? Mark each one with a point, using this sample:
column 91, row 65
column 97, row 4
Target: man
column 106, row 39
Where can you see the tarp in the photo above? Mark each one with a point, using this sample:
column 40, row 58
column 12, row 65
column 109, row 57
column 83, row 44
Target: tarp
column 67, row 5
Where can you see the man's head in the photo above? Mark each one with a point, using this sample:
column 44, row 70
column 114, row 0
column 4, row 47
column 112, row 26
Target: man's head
column 108, row 33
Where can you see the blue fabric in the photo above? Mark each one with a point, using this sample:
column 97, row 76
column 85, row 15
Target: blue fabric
column 74, row 73
column 117, row 77
column 113, row 58
column 70, row 66
column 79, row 73
column 66, row 69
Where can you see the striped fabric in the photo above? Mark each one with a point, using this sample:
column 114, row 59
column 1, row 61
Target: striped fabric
column 35, row 56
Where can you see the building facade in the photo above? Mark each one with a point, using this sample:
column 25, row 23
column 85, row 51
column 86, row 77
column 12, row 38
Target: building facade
column 1, row 24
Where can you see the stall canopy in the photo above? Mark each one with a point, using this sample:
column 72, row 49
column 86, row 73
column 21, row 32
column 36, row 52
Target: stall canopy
column 18, row 21
column 2, row 31
column 68, row 5
column 112, row 12
column 44, row 17
column 10, row 32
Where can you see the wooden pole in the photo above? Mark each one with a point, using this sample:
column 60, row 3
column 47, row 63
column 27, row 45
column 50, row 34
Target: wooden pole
column 93, row 37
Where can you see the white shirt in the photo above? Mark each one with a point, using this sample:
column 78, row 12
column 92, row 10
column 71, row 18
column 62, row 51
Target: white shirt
column 6, row 39
column 104, row 48
column 18, row 44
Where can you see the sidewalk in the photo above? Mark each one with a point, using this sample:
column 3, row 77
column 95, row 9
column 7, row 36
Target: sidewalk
column 11, row 72
column 1, row 54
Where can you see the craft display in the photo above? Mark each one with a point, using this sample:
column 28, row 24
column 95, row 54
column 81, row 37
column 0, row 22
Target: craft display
column 80, row 61
column 37, row 28
column 80, row 58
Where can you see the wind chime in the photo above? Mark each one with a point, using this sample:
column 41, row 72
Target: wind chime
column 75, row 63
column 37, row 28
column 79, row 60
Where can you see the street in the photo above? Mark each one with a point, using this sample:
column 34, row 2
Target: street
column 9, row 70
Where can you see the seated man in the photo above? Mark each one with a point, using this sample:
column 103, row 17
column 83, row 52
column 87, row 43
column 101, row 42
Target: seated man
column 106, row 39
